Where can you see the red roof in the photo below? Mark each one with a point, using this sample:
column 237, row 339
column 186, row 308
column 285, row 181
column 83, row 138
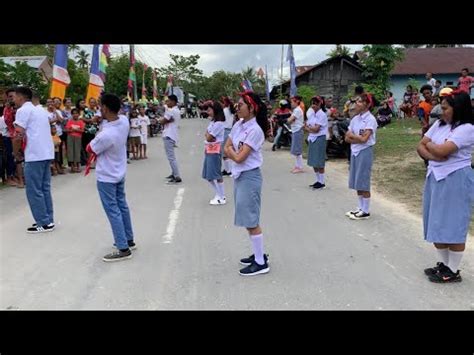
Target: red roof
column 303, row 68
column 435, row 60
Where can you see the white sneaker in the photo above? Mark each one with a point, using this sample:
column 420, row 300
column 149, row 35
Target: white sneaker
column 218, row 201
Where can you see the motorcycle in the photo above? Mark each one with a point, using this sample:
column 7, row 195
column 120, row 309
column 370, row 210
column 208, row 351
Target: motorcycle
column 336, row 145
column 281, row 123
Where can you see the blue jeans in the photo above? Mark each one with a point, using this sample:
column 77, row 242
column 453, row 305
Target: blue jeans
column 7, row 143
column 116, row 208
column 277, row 138
column 38, row 191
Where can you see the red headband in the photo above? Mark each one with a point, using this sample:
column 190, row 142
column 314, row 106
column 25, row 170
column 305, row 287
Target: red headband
column 245, row 95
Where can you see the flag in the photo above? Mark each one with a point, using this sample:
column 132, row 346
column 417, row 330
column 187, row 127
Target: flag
column 61, row 78
column 96, row 85
column 103, row 62
column 155, row 88
column 290, row 58
column 169, row 85
column 131, row 75
column 246, row 85
column 267, row 85
column 145, row 67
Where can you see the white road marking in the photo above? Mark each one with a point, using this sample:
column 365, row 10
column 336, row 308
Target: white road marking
column 173, row 217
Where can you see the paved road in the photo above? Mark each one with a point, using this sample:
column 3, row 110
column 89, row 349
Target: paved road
column 188, row 259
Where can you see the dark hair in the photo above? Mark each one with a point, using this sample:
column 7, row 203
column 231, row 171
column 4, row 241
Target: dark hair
column 78, row 103
column 359, row 90
column 112, row 102
column 133, row 112
column 297, row 97
column 261, row 115
column 65, row 99
column 426, row 87
column 35, row 95
column 228, row 103
column 74, row 110
column 409, row 86
column 173, row 98
column 439, row 81
column 319, row 100
column 218, row 111
column 462, row 109
column 368, row 99
column 9, row 90
column 25, row 92
column 465, row 69
column 54, row 98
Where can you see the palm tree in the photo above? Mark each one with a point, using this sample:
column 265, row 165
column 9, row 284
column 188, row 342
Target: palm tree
column 82, row 57
column 339, row 51
column 249, row 74
column 73, row 48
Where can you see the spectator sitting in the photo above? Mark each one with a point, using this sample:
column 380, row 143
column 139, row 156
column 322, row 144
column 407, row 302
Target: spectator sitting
column 384, row 115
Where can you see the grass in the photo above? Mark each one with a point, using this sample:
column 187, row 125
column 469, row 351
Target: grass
column 398, row 172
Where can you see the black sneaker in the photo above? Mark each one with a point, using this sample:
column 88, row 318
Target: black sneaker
column 169, row 177
column 41, row 229
column 313, row 185
column 440, row 267
column 251, row 259
column 254, row 269
column 226, row 173
column 318, row 186
column 49, row 225
column 174, row 181
column 445, row 276
column 131, row 245
column 360, row 215
column 118, row 256
column 273, row 148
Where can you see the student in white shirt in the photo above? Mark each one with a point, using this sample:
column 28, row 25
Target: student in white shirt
column 134, row 134
column 317, row 127
column 56, row 118
column 109, row 146
column 211, row 170
column 297, row 133
column 448, row 195
column 244, row 148
column 144, row 122
column 32, row 121
column 430, row 80
column 170, row 122
column 361, row 136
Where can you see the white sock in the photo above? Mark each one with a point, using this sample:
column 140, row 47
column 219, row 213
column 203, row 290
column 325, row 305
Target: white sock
column 214, row 186
column 454, row 260
column 257, row 244
column 227, row 165
column 299, row 161
column 317, row 176
column 365, row 205
column 444, row 253
column 321, row 178
column 360, row 202
column 220, row 189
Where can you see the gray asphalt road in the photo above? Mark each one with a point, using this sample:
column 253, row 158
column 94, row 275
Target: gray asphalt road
column 188, row 251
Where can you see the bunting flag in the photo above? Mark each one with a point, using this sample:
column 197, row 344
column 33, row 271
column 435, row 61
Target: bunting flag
column 145, row 67
column 61, row 78
column 96, row 85
column 246, row 85
column 104, row 61
column 290, row 58
column 131, row 76
column 155, row 87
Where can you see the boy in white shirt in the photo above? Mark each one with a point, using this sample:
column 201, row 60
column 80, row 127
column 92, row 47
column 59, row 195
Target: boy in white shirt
column 109, row 146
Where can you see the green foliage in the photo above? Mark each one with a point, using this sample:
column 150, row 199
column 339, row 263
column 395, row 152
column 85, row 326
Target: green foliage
column 339, row 50
column 82, row 59
column 24, row 75
column 117, row 75
column 306, row 92
column 79, row 81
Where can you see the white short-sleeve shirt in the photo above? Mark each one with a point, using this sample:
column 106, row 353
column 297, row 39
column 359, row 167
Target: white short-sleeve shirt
column 34, row 120
column 229, row 118
column 360, row 123
column 216, row 129
column 171, row 128
column 299, row 122
column 319, row 118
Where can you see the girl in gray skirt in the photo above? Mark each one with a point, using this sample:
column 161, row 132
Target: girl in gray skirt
column 317, row 127
column 244, row 148
column 297, row 134
column 211, row 170
column 449, row 188
column 361, row 136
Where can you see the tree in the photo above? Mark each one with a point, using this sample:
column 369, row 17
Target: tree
column 77, row 89
column 22, row 74
column 379, row 63
column 306, row 92
column 73, row 48
column 117, row 75
column 184, row 70
column 20, row 50
column 339, row 50
column 82, row 59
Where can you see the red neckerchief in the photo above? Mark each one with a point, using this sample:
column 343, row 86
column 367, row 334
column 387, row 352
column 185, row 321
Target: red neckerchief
column 92, row 158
